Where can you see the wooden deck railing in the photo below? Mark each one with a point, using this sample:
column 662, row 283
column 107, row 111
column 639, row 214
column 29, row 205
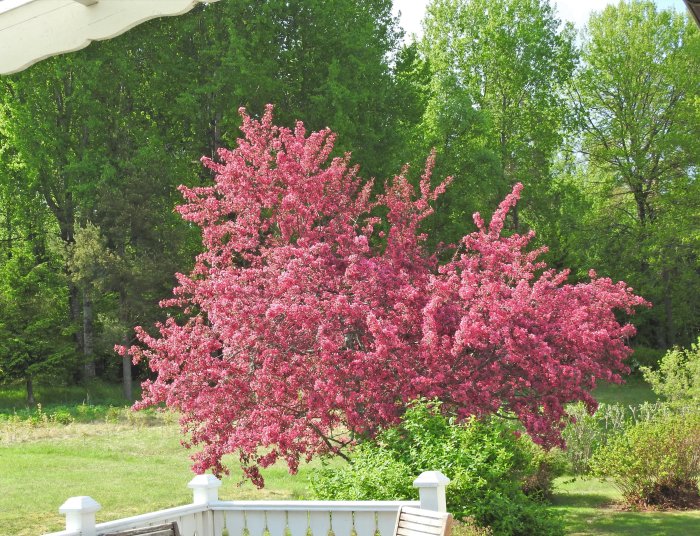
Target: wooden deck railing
column 208, row 516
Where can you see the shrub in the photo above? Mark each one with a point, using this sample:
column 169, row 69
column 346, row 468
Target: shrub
column 468, row 527
column 655, row 463
column 586, row 433
column 61, row 416
column 545, row 466
column 486, row 462
column 678, row 377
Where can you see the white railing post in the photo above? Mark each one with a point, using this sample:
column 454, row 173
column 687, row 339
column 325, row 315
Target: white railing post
column 80, row 514
column 205, row 489
column 431, row 489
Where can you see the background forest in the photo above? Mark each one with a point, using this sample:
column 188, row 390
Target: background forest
column 601, row 128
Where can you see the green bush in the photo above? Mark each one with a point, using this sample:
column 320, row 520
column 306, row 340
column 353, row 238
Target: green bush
column 655, row 463
column 545, row 466
column 678, row 376
column 61, row 416
column 485, row 460
column 468, row 527
column 588, row 433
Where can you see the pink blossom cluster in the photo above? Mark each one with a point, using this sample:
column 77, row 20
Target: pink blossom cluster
column 316, row 313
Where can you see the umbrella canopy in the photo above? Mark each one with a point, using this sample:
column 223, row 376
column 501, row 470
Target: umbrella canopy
column 31, row 30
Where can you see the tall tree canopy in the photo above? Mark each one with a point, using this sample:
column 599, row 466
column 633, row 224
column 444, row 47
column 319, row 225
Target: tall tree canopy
column 497, row 108
column 637, row 92
column 98, row 140
column 307, row 327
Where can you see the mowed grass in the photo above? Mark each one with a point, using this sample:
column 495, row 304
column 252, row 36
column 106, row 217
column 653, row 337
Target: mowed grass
column 139, row 466
column 14, row 397
column 633, row 392
column 589, row 509
column 129, row 470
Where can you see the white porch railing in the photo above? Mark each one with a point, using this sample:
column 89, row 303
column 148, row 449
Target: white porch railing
column 208, row 516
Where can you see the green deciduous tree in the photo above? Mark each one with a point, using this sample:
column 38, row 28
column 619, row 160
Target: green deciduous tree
column 102, row 137
column 636, row 89
column 35, row 338
column 497, row 109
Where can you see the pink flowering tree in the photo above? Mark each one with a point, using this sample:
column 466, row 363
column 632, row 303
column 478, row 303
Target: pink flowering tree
column 310, row 322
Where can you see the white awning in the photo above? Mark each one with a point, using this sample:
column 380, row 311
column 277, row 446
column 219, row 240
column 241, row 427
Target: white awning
column 31, row 30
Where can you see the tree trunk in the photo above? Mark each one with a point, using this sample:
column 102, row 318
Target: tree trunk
column 30, row 392
column 126, row 375
column 126, row 360
column 88, row 338
column 75, row 315
column 668, row 308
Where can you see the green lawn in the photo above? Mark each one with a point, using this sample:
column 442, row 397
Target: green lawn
column 634, row 391
column 128, row 470
column 137, row 465
column 588, row 506
column 14, row 397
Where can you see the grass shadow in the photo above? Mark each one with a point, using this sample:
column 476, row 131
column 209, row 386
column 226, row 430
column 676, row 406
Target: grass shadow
column 582, row 500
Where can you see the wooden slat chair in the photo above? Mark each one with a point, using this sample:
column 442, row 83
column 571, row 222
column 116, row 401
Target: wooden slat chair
column 168, row 529
column 418, row 522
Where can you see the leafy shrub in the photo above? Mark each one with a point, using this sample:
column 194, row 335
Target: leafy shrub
column 655, row 463
column 486, row 462
column 61, row 416
column 545, row 466
column 588, row 433
column 468, row 527
column 678, row 377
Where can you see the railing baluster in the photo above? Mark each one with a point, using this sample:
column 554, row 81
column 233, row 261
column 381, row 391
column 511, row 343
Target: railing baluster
column 255, row 522
column 386, row 522
column 187, row 525
column 320, row 523
column 276, row 522
column 298, row 522
column 341, row 523
column 218, row 519
column 235, row 523
column 365, row 523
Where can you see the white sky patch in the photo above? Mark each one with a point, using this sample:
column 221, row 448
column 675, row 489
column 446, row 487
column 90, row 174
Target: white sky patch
column 576, row 11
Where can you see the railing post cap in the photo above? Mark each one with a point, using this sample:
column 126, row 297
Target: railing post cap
column 430, row 479
column 204, row 481
column 82, row 504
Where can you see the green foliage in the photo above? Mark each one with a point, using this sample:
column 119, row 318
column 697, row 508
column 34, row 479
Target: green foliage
column 678, row 376
column 495, row 112
column 544, row 467
column 34, row 341
column 84, row 413
column 468, row 527
column 640, row 122
column 373, row 475
column 655, row 463
column 586, row 434
column 55, row 394
column 485, row 460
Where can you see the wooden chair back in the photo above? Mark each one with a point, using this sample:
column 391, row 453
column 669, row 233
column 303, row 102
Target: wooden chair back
column 419, row 522
column 168, row 529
